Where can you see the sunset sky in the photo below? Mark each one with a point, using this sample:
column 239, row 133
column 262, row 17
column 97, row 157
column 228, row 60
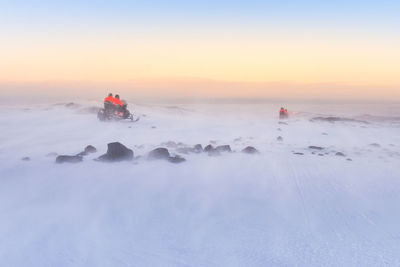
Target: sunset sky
column 338, row 49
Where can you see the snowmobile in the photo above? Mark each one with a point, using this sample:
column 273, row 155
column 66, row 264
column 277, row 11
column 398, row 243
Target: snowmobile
column 113, row 113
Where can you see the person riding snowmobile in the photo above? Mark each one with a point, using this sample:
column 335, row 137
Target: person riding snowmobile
column 282, row 113
column 117, row 102
column 109, row 103
column 114, row 109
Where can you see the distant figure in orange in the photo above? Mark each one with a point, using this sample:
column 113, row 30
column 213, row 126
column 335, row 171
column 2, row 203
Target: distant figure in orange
column 283, row 113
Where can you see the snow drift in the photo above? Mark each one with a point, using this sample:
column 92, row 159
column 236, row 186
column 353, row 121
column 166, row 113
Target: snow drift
column 325, row 193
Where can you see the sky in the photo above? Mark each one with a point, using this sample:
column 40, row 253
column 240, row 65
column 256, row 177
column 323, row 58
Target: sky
column 272, row 49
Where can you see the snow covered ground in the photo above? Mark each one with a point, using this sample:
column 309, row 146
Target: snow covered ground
column 290, row 205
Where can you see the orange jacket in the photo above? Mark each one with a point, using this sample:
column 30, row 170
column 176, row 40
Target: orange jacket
column 109, row 99
column 117, row 102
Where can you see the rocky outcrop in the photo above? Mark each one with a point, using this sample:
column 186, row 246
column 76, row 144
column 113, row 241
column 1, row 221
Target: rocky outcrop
column 224, row 148
column 68, row 159
column 198, row 148
column 116, row 152
column 88, row 150
column 316, row 147
column 176, row 159
column 163, row 154
column 208, row 148
column 159, row 153
column 250, row 150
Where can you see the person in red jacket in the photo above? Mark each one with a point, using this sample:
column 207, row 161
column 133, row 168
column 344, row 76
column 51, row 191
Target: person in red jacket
column 109, row 98
column 117, row 104
column 109, row 102
column 117, row 101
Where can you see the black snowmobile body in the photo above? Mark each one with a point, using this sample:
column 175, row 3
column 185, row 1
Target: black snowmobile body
column 111, row 113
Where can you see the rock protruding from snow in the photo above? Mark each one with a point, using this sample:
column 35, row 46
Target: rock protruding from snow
column 250, row 150
column 340, row 154
column 68, row 159
column 209, row 148
column 279, row 138
column 88, row 150
column 176, row 159
column 224, row 148
column 216, row 151
column 163, row 154
column 374, row 145
column 159, row 153
column 198, row 148
column 316, row 147
column 26, row 159
column 116, row 152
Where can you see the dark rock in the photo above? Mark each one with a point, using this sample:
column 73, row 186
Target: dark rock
column 90, row 149
column 250, row 150
column 163, row 154
column 116, row 152
column 208, row 148
column 298, row 153
column 279, row 138
column 340, row 154
column 52, row 154
column 316, row 147
column 375, row 145
column 68, row 159
column 159, row 153
column 176, row 159
column 26, row 159
column 321, row 155
column 224, row 148
column 349, row 159
column 198, row 148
